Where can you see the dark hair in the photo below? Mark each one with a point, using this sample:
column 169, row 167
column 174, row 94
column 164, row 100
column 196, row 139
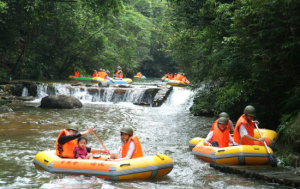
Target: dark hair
column 81, row 138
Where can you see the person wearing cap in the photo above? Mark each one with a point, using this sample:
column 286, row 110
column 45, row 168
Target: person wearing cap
column 107, row 76
column 229, row 125
column 219, row 136
column 118, row 74
column 131, row 146
column 244, row 129
column 66, row 141
column 95, row 74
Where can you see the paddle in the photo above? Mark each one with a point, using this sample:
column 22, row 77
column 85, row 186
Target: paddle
column 273, row 161
column 100, row 142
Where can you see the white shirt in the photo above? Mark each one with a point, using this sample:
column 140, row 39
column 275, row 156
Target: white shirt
column 243, row 131
column 129, row 153
column 210, row 135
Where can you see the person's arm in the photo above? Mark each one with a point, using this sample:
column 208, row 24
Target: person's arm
column 64, row 139
column 94, row 150
column 231, row 126
column 244, row 133
column 129, row 153
column 208, row 138
column 231, row 140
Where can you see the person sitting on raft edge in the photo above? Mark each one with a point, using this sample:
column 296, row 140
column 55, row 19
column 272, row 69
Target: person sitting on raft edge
column 66, row 141
column 219, row 136
column 229, row 125
column 131, row 146
column 244, row 128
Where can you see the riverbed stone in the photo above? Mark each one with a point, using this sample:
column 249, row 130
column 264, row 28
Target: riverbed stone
column 26, row 98
column 5, row 108
column 125, row 86
column 32, row 89
column 103, row 84
column 162, row 95
column 60, row 102
column 120, row 91
column 17, row 89
column 2, row 102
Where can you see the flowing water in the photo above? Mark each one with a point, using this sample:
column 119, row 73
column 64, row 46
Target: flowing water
column 166, row 129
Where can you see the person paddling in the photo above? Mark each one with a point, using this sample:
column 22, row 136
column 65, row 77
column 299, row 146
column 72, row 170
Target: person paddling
column 131, row 146
column 219, row 136
column 107, row 76
column 244, row 129
column 66, row 141
column 118, row 74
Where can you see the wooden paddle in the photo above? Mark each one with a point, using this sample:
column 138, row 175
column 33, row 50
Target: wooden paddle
column 273, row 161
column 100, row 142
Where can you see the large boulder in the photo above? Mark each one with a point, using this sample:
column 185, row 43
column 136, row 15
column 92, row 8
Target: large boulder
column 60, row 102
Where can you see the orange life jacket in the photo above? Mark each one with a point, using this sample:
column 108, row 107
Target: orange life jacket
column 119, row 76
column 102, row 74
column 166, row 75
column 139, row 74
column 179, row 77
column 249, row 127
column 170, row 76
column 65, row 150
column 175, row 76
column 138, row 152
column 216, row 123
column 94, row 75
column 221, row 137
column 76, row 74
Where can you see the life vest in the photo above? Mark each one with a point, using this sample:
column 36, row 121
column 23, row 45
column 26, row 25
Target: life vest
column 249, row 127
column 221, row 137
column 175, row 76
column 80, row 152
column 139, row 74
column 216, row 123
column 171, row 76
column 67, row 149
column 102, row 74
column 94, row 75
column 76, row 74
column 179, row 77
column 138, row 152
column 117, row 74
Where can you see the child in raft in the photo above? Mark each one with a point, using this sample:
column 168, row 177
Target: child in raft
column 80, row 152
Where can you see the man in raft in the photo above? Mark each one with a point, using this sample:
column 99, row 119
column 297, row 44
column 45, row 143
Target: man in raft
column 76, row 73
column 95, row 74
column 119, row 74
column 131, row 146
column 219, row 136
column 229, row 125
column 66, row 141
column 244, row 129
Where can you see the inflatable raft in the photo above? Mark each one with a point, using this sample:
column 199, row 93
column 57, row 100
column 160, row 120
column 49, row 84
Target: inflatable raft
column 139, row 77
column 116, row 81
column 270, row 136
column 138, row 168
column 235, row 155
column 177, row 83
column 80, row 78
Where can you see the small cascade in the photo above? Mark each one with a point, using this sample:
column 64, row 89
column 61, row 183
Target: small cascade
column 25, row 91
column 180, row 97
column 96, row 94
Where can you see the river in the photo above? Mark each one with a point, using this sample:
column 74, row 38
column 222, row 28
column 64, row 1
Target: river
column 166, row 129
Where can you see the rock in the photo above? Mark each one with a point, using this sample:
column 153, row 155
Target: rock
column 103, row 84
column 89, row 85
column 17, row 89
column 26, row 98
column 5, row 108
column 141, row 103
column 3, row 101
column 125, row 86
column 42, row 122
column 32, row 89
column 77, row 84
column 32, row 122
column 60, row 102
column 162, row 95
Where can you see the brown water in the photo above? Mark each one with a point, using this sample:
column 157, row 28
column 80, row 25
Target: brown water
column 166, row 129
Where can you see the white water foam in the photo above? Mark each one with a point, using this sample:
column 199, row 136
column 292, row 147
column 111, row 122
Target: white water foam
column 25, row 91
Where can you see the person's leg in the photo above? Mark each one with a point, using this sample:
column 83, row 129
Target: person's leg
column 89, row 156
column 115, row 156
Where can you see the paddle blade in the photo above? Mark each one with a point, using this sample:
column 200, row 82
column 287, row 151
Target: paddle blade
column 273, row 160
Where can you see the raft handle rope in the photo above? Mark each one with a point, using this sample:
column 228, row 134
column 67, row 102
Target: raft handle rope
column 125, row 164
column 221, row 150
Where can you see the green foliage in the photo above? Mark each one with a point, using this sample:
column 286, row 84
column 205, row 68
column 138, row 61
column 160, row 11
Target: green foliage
column 247, row 52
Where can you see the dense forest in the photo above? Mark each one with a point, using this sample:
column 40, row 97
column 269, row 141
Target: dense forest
column 244, row 51
column 49, row 39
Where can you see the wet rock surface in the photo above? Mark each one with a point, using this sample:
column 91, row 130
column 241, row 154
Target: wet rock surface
column 60, row 102
column 5, row 108
column 162, row 95
column 264, row 172
column 26, row 98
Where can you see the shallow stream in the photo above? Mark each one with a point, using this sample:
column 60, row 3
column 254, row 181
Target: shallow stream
column 166, row 129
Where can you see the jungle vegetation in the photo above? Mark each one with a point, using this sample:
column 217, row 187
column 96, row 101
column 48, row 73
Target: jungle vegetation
column 246, row 52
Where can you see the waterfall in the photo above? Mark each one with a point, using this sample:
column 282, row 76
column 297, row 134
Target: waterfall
column 25, row 91
column 180, row 97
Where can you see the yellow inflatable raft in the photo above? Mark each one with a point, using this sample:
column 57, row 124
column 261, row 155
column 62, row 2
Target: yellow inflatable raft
column 115, row 81
column 269, row 135
column 177, row 83
column 138, row 168
column 235, row 155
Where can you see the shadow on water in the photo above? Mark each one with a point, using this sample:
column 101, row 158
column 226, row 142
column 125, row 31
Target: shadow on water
column 166, row 129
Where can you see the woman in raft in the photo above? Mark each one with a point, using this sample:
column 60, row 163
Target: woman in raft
column 131, row 146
